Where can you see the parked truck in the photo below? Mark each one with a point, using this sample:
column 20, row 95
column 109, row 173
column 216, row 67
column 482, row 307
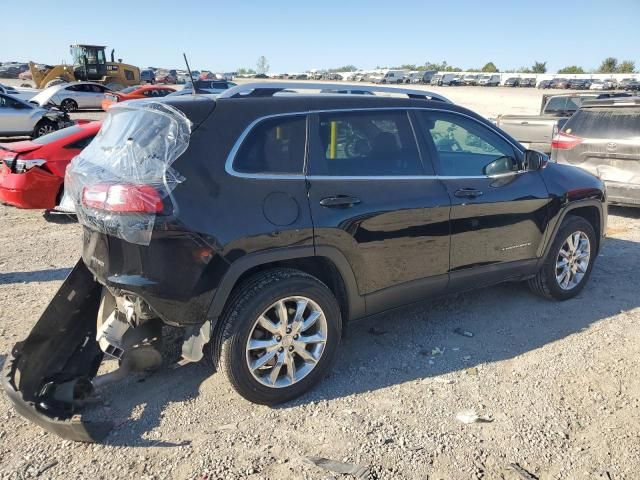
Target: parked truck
column 536, row 131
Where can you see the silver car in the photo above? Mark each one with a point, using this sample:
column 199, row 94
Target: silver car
column 20, row 118
column 21, row 92
column 602, row 137
column 73, row 96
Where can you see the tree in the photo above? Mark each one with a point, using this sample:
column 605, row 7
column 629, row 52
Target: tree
column 627, row 66
column 539, row 67
column 246, row 71
column 490, row 68
column 346, row 68
column 409, row 66
column 609, row 65
column 441, row 67
column 262, row 66
column 571, row 69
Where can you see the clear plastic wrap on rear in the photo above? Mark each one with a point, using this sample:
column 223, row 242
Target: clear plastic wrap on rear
column 123, row 180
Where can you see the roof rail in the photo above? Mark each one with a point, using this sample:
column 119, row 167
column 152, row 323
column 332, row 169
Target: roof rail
column 268, row 89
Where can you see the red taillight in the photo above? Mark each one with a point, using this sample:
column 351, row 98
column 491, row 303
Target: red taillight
column 564, row 141
column 122, row 198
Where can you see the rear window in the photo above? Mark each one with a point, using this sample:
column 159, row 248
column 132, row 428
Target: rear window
column 563, row 104
column 57, row 135
column 616, row 122
column 274, row 146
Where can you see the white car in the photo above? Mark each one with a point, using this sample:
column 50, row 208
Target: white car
column 602, row 85
column 20, row 118
column 20, row 92
column 73, row 96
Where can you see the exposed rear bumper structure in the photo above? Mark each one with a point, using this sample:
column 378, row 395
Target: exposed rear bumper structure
column 48, row 375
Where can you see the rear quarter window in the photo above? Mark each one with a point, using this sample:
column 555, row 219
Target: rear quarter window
column 274, row 145
column 616, row 122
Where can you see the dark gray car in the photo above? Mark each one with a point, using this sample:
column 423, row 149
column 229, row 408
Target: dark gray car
column 603, row 137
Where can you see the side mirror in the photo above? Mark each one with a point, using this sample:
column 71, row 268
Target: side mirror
column 534, row 160
column 501, row 166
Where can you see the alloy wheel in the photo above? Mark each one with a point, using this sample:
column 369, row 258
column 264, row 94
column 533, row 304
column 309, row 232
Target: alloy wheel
column 45, row 129
column 573, row 260
column 286, row 342
column 68, row 105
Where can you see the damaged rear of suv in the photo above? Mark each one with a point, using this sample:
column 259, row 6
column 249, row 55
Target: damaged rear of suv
column 121, row 184
column 256, row 225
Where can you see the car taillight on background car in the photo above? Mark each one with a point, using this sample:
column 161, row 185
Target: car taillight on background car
column 565, row 141
column 21, row 166
column 123, row 198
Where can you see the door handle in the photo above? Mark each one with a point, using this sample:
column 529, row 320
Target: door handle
column 339, row 201
column 524, row 123
column 468, row 193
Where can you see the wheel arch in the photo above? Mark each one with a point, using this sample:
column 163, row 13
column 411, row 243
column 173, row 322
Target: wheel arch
column 591, row 210
column 325, row 263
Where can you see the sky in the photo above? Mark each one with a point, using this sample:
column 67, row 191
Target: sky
column 300, row 35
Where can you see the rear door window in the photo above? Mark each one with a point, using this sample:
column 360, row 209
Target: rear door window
column 605, row 122
column 367, row 144
column 275, row 145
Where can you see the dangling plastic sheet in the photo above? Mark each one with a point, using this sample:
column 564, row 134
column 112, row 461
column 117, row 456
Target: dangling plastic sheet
column 124, row 178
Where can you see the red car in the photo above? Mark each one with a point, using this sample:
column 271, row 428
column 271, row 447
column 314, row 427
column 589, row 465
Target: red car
column 207, row 75
column 32, row 172
column 134, row 93
column 167, row 77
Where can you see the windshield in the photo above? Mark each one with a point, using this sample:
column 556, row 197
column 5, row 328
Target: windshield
column 128, row 90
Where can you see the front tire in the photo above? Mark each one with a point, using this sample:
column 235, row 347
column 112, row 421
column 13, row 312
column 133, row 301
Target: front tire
column 43, row 127
column 278, row 336
column 569, row 262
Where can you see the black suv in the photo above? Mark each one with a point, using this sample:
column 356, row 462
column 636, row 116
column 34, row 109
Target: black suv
column 258, row 224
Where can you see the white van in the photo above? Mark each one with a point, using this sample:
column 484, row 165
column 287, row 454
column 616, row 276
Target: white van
column 489, row 80
column 443, row 78
column 390, row 76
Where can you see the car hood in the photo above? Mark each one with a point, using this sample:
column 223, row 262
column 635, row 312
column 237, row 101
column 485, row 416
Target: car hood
column 42, row 98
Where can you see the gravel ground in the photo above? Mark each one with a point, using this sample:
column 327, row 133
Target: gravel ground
column 556, row 383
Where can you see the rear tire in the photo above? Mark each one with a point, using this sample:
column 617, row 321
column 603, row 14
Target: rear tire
column 551, row 281
column 69, row 105
column 242, row 325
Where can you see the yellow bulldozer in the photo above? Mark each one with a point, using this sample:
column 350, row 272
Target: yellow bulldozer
column 89, row 63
